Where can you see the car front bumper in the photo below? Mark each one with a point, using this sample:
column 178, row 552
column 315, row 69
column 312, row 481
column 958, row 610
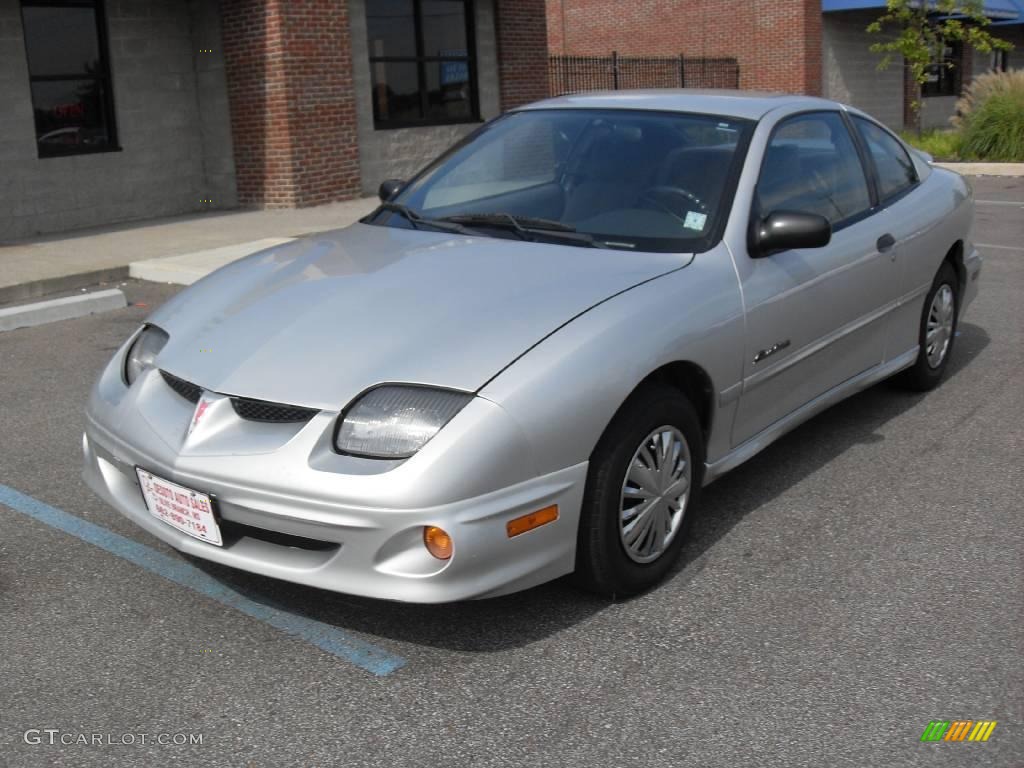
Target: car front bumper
column 294, row 510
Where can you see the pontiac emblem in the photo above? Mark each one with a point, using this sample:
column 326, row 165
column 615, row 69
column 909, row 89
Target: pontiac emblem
column 200, row 410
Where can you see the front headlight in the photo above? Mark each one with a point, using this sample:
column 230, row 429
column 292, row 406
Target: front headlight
column 393, row 422
column 143, row 351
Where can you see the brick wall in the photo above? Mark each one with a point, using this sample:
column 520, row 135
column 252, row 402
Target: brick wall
column 293, row 113
column 523, row 51
column 777, row 42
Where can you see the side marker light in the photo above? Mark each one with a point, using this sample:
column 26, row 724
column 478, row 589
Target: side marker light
column 533, row 520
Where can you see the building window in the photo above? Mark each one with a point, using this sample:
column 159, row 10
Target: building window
column 998, row 61
column 944, row 73
column 422, row 61
column 69, row 74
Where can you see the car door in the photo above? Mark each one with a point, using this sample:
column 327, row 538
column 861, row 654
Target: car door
column 815, row 317
column 896, row 179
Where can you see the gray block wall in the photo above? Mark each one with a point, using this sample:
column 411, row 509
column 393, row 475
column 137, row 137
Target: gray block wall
column 936, row 111
column 850, row 70
column 171, row 109
column 212, row 103
column 401, row 152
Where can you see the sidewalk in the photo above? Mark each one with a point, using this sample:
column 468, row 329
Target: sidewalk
column 985, row 169
column 51, row 263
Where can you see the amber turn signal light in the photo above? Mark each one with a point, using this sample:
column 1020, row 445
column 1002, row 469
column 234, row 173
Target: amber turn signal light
column 437, row 541
column 533, row 520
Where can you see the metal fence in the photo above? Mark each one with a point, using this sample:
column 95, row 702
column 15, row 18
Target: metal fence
column 573, row 74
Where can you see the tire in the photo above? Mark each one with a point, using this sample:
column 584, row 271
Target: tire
column 930, row 366
column 605, row 563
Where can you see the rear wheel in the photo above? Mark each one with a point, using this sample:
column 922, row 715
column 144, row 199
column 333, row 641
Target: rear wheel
column 937, row 332
column 642, row 487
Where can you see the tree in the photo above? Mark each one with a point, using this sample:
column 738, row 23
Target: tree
column 918, row 30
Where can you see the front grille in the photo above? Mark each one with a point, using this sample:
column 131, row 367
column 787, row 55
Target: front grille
column 261, row 410
column 186, row 389
column 245, row 407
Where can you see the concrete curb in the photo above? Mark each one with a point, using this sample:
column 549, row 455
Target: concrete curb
column 41, row 312
column 186, row 268
column 36, row 288
column 984, row 169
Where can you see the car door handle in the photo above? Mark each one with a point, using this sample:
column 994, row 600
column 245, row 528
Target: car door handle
column 885, row 243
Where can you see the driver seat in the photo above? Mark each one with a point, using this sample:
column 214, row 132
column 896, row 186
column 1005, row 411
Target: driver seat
column 618, row 170
column 700, row 170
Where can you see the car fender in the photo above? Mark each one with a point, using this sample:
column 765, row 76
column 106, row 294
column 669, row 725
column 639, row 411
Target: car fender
column 564, row 391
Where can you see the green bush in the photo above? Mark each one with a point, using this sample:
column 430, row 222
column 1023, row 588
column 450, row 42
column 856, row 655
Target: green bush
column 991, row 118
column 995, row 130
column 981, row 88
column 941, row 145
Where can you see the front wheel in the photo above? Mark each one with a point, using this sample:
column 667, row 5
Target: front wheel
column 642, row 487
column 936, row 333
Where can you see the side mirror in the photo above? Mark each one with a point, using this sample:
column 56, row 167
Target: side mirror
column 783, row 230
column 389, row 188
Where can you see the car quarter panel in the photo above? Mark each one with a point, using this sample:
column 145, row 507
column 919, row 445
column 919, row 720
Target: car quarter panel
column 564, row 391
column 929, row 222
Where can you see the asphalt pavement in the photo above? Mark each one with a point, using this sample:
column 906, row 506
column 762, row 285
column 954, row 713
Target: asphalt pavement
column 857, row 580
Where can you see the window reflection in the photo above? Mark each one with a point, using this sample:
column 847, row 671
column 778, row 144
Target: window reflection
column 69, row 76
column 421, row 62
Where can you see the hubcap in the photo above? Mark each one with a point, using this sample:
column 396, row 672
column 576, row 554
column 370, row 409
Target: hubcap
column 939, row 329
column 654, row 494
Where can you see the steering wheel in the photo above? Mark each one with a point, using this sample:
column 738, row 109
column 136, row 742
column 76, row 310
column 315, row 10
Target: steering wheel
column 660, row 197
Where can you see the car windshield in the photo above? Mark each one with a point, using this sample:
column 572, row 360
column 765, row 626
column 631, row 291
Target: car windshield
column 627, row 179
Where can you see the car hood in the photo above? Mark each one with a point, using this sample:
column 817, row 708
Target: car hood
column 317, row 321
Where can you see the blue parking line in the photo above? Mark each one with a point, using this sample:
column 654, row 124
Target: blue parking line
column 331, row 639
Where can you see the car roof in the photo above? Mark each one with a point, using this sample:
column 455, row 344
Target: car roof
column 750, row 105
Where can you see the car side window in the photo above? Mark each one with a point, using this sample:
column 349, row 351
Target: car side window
column 893, row 165
column 811, row 165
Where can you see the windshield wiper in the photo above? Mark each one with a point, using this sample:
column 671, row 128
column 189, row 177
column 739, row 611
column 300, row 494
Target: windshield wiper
column 526, row 227
column 418, row 221
column 502, row 219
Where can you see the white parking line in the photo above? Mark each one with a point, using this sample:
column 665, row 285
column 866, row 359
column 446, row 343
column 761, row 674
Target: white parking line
column 1000, row 202
column 1000, row 247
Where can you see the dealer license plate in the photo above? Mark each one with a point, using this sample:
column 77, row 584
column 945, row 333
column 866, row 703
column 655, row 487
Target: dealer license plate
column 189, row 511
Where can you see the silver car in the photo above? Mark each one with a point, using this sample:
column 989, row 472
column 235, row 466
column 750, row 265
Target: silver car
column 529, row 360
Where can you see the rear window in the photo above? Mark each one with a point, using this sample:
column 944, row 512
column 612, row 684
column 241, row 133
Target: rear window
column 893, row 166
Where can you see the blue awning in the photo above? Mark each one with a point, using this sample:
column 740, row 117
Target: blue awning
column 1020, row 14
column 1000, row 11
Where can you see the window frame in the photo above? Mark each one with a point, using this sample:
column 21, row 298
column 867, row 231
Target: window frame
column 868, row 159
column 421, row 60
column 949, row 70
column 104, row 77
column 999, row 61
column 866, row 169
